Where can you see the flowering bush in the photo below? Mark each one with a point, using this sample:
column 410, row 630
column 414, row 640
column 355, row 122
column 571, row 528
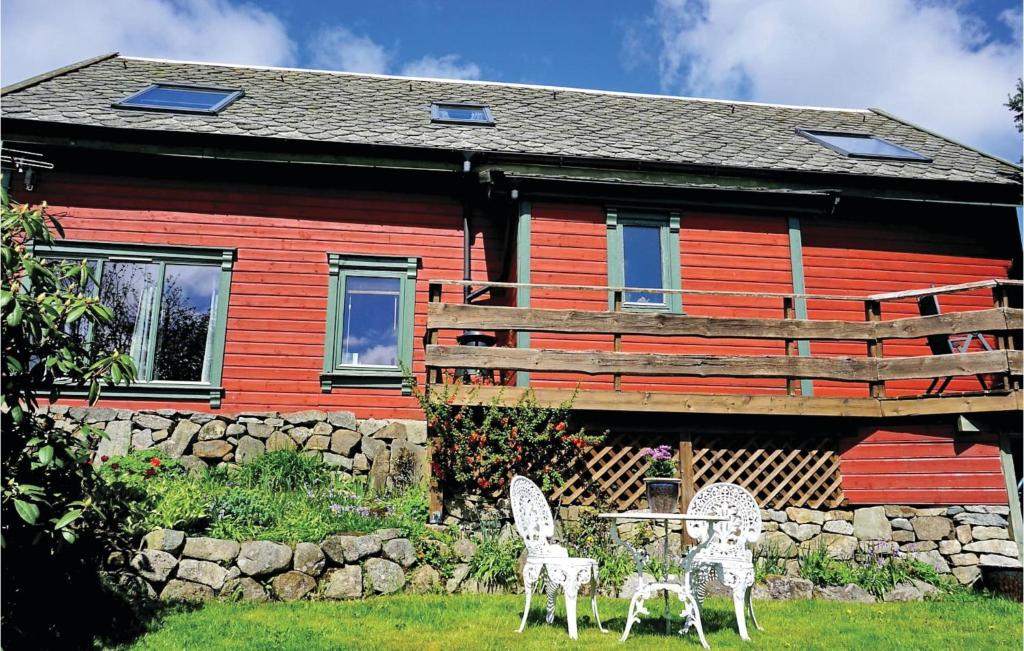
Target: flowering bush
column 661, row 464
column 481, row 448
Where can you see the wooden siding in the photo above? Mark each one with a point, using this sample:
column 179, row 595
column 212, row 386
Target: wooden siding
column 885, row 255
column 278, row 304
column 717, row 252
column 899, row 463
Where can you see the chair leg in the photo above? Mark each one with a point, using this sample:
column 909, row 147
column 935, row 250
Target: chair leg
column 528, row 588
column 737, row 602
column 570, row 589
column 552, row 591
column 632, row 618
column 750, row 607
column 593, row 601
column 693, row 617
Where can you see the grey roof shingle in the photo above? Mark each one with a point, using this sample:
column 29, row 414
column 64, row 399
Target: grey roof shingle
column 369, row 109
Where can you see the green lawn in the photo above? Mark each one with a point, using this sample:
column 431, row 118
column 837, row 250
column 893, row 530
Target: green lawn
column 489, row 622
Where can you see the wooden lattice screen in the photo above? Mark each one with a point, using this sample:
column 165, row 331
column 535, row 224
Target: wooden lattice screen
column 779, row 470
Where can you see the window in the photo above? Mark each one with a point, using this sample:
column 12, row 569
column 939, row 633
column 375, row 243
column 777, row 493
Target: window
column 643, row 253
column 170, row 312
column 861, row 145
column 461, row 114
column 370, row 306
column 180, row 98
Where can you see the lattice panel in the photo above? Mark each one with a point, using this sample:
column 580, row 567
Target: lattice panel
column 780, row 471
column 612, row 473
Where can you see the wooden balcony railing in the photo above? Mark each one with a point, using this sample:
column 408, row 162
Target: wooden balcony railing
column 875, row 369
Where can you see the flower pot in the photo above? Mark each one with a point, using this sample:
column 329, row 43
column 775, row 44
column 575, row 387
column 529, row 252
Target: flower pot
column 663, row 494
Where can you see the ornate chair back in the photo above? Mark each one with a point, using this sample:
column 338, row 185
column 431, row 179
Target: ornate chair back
column 532, row 516
column 742, row 528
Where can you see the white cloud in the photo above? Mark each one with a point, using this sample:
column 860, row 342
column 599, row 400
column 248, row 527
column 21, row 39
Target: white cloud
column 338, row 48
column 1012, row 18
column 931, row 63
column 38, row 37
column 448, row 66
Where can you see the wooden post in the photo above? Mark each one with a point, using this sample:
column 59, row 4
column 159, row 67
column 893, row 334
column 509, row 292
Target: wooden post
column 617, row 338
column 436, row 512
column 1010, row 478
column 789, row 311
column 686, row 487
column 1003, row 341
column 873, row 312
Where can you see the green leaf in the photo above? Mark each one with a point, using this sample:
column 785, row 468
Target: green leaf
column 115, row 373
column 29, row 512
column 14, row 318
column 77, row 313
column 67, row 519
column 45, row 454
column 6, row 297
column 94, row 392
column 69, row 535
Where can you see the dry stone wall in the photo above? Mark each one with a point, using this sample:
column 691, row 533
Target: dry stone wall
column 356, row 447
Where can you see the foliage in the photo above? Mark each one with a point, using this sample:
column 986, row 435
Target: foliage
column 51, row 497
column 768, row 561
column 282, row 496
column 1015, row 102
column 590, row 537
column 496, row 561
column 472, row 621
column 437, row 549
column 282, row 470
column 482, row 448
column 661, row 464
column 876, row 574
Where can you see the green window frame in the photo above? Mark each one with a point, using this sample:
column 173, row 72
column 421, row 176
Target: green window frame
column 671, row 275
column 342, row 266
column 146, row 386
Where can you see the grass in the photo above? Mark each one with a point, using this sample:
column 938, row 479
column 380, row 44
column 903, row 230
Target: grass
column 489, row 622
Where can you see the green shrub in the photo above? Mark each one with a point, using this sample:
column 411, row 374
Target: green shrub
column 283, row 470
column 496, row 561
column 768, row 561
column 437, row 549
column 590, row 537
column 876, row 574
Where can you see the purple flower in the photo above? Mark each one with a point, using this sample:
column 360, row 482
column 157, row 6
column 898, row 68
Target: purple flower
column 310, row 494
column 660, row 453
column 336, row 508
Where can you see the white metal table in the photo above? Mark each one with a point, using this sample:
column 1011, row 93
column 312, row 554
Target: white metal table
column 645, row 589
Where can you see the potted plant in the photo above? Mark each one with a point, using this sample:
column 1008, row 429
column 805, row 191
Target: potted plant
column 662, row 480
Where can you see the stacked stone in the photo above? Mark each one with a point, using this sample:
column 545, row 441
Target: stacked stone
column 193, row 568
column 356, row 447
column 958, row 540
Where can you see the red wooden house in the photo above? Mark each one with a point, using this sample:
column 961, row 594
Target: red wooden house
column 748, row 280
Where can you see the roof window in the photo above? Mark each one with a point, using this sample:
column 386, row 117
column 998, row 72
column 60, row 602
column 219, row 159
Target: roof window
column 461, row 114
column 861, row 145
column 180, row 98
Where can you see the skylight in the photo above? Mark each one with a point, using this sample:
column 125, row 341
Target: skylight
column 861, row 145
column 180, row 98
column 461, row 114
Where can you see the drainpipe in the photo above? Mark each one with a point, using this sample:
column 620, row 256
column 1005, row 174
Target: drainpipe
column 467, row 214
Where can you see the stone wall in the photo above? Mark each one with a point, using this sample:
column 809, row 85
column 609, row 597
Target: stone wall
column 357, row 447
column 175, row 566
column 965, row 541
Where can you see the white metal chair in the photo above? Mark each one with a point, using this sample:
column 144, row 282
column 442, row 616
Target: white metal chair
column 536, row 525
column 723, row 550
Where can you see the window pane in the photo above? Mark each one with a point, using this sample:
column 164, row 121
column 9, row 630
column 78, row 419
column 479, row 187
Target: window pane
column 370, row 321
column 462, row 113
column 866, row 145
column 128, row 288
column 187, row 312
column 641, row 251
column 185, row 98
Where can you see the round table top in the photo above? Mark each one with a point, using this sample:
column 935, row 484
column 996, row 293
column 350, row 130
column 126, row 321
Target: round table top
column 644, row 514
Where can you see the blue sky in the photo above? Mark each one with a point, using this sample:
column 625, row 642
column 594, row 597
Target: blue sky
column 946, row 64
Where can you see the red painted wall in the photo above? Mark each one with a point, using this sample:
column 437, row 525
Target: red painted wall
column 278, row 305
column 900, row 463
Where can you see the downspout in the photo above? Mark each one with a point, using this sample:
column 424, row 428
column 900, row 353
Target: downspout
column 467, row 215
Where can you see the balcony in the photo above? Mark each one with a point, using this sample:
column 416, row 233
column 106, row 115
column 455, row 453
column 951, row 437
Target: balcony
column 998, row 369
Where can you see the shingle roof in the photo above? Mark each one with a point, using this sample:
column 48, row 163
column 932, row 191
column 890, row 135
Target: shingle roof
column 380, row 110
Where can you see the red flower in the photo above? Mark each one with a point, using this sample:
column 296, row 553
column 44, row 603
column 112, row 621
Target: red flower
column 560, row 427
column 155, row 462
column 114, row 466
column 483, row 483
column 104, row 458
column 149, row 472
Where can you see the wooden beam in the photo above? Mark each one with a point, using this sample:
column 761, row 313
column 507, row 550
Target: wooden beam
column 945, row 289
column 592, row 362
column 453, row 316
column 683, row 403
